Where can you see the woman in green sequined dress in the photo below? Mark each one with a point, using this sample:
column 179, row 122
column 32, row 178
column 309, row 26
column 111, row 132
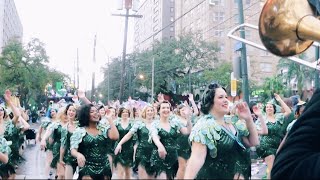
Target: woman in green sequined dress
column 124, row 160
column 10, row 129
column 145, row 148
column 4, row 157
column 217, row 148
column 164, row 133
column 184, row 148
column 90, row 142
column 54, row 131
column 45, row 122
column 66, row 160
column 276, row 126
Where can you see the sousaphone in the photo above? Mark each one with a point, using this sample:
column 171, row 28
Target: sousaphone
column 286, row 28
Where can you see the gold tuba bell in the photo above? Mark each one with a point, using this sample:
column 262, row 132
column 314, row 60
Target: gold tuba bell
column 288, row 27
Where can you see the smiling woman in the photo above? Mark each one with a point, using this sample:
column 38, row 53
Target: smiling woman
column 90, row 142
column 219, row 145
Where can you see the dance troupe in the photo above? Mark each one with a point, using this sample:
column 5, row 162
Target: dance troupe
column 209, row 141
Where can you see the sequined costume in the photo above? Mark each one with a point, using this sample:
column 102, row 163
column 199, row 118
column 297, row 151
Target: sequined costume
column 270, row 143
column 56, row 129
column 184, row 147
column 169, row 165
column 44, row 125
column 12, row 134
column 5, row 149
column 125, row 158
column 94, row 149
column 226, row 154
column 65, row 143
column 145, row 148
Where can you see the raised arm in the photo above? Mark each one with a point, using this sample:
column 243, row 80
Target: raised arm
column 16, row 112
column 244, row 113
column 194, row 106
column 196, row 161
column 264, row 128
column 83, row 97
column 287, row 110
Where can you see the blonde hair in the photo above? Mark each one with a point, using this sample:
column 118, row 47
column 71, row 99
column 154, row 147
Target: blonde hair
column 61, row 116
column 144, row 111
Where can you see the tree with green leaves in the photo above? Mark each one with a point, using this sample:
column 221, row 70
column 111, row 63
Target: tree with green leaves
column 24, row 69
column 174, row 59
column 298, row 72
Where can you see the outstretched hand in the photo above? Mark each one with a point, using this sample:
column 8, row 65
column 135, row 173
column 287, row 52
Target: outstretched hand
column 277, row 97
column 81, row 94
column 244, row 111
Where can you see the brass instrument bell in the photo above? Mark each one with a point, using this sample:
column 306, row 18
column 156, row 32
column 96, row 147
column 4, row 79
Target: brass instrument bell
column 288, row 27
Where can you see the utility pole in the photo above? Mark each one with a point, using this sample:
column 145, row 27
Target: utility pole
column 74, row 72
column 93, row 73
column 78, row 69
column 316, row 77
column 128, row 6
column 108, row 80
column 244, row 70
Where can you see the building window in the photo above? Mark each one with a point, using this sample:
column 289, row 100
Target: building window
column 216, row 2
column 171, row 9
column 171, row 19
column 218, row 16
column 171, row 28
column 218, row 33
column 221, row 48
column 266, row 67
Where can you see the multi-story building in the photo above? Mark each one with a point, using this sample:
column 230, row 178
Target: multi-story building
column 156, row 23
column 213, row 19
column 10, row 24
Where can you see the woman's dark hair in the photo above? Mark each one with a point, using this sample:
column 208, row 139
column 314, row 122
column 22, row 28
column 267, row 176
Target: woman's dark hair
column 163, row 102
column 274, row 108
column 208, row 96
column 84, row 115
column 251, row 104
column 4, row 112
column 134, row 112
column 179, row 107
column 121, row 111
column 68, row 107
column 100, row 107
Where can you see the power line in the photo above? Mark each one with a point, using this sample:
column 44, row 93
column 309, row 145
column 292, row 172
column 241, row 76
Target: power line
column 171, row 23
column 228, row 20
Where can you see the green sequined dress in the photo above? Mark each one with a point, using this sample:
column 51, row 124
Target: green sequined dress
column 125, row 158
column 56, row 129
column 44, row 125
column 270, row 143
column 12, row 134
column 184, row 147
column 5, row 149
column 226, row 154
column 65, row 142
column 169, row 165
column 145, row 147
column 94, row 149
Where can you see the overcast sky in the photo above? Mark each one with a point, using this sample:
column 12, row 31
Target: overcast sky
column 65, row 25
